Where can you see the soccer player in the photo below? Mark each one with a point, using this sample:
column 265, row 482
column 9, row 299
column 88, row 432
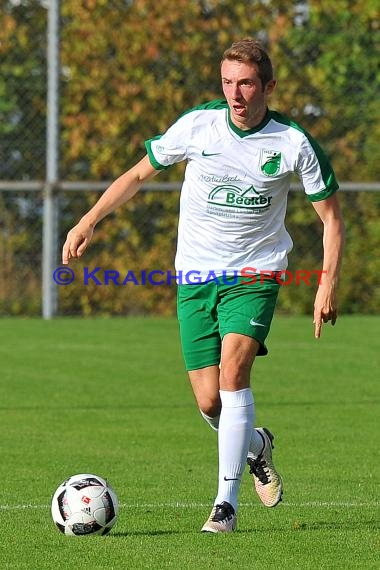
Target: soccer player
column 240, row 159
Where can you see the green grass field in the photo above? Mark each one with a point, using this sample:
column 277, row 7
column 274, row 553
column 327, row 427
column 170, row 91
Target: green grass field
column 110, row 396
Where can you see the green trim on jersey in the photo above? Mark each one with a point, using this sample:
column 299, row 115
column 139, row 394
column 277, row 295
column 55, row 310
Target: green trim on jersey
column 219, row 104
column 248, row 132
column 328, row 176
column 323, row 194
column 151, row 156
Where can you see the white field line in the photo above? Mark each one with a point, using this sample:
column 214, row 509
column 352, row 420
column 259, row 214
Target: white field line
column 179, row 505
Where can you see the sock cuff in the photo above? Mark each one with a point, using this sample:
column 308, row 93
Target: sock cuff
column 237, row 399
column 213, row 422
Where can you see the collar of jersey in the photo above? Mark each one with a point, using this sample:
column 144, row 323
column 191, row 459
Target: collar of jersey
column 248, row 132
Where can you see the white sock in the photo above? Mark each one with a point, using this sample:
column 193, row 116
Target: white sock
column 234, row 434
column 213, row 422
column 256, row 445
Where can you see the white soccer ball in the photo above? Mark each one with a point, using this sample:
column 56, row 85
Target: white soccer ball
column 84, row 505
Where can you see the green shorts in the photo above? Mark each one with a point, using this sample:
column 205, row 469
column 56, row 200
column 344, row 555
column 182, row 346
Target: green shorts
column 208, row 311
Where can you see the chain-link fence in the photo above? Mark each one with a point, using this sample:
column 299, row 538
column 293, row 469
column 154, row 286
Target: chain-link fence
column 115, row 90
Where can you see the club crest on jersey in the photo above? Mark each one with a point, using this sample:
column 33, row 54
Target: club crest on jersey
column 270, row 162
column 235, row 197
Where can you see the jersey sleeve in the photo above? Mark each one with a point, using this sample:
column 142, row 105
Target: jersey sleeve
column 315, row 171
column 171, row 147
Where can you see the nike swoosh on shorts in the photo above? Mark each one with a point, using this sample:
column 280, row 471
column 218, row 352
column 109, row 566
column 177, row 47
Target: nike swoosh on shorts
column 256, row 324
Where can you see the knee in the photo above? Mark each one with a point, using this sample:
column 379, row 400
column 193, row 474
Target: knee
column 205, row 385
column 238, row 355
column 210, row 407
column 235, row 375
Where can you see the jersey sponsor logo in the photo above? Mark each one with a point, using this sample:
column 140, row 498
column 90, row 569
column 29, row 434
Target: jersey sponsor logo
column 270, row 162
column 225, row 179
column 235, row 197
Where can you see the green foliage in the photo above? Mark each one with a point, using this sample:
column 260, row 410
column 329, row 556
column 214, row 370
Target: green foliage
column 22, row 90
column 328, row 79
column 20, row 274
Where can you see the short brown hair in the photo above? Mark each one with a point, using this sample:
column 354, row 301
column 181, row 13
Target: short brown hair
column 251, row 51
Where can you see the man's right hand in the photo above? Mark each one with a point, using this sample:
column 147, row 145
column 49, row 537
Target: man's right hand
column 77, row 241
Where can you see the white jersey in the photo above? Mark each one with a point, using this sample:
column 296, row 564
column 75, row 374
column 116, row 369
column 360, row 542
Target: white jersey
column 234, row 193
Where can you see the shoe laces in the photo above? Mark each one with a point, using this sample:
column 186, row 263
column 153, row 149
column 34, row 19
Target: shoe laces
column 259, row 468
column 222, row 512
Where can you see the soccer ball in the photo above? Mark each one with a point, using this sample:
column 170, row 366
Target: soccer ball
column 84, row 504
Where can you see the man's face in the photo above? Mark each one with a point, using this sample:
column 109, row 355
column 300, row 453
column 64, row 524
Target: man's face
column 244, row 92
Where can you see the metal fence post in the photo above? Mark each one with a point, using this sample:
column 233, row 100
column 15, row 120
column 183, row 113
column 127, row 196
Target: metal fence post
column 50, row 216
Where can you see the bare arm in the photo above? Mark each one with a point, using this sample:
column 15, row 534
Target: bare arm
column 325, row 306
column 119, row 192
